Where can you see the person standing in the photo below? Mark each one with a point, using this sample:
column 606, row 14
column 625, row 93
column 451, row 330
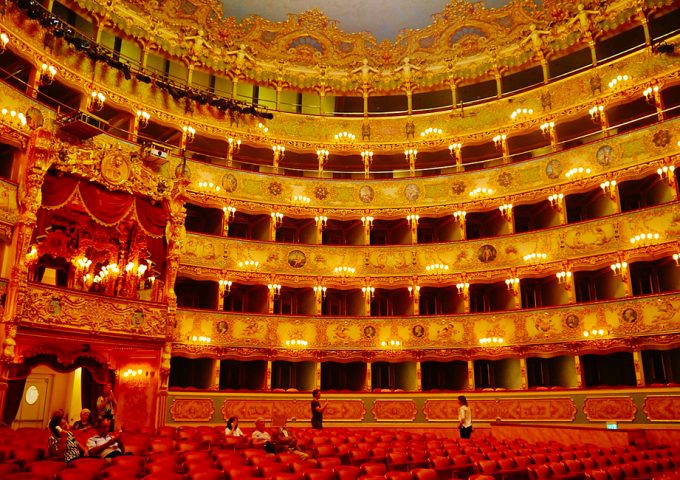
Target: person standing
column 464, row 418
column 106, row 405
column 317, row 410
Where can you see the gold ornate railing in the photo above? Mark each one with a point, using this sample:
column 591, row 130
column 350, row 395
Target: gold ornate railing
column 633, row 321
column 55, row 308
column 583, row 245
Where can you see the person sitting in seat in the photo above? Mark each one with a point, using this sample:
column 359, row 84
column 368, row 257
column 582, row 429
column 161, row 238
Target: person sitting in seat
column 261, row 438
column 232, row 429
column 105, row 444
column 85, row 421
column 284, row 440
column 62, row 444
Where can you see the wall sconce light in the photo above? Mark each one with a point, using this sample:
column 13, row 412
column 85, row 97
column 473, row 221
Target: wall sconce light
column 499, row 139
column 368, row 292
column 512, row 284
column 437, row 269
column 676, row 257
column 345, row 137
column 82, row 264
column 200, row 339
column 322, row 156
column 596, row 113
column 13, row 117
column 481, row 192
column 578, row 172
column 431, row 132
column 135, row 378
column 32, row 256
column 391, row 344
column 459, row 217
column 300, row 200
column 96, row 101
column 4, row 40
column 143, row 119
column 563, row 277
column 535, row 257
column 556, row 200
column 410, row 155
column 47, row 74
column 229, row 212
column 320, row 290
column 666, row 173
column 618, row 81
column 650, row 94
column 454, row 149
column 491, row 341
column 412, row 219
column 547, row 128
column 620, row 269
column 521, row 114
column 644, row 239
column 279, row 151
column 411, row 290
column 189, row 133
column 275, row 289
column 225, row 286
column 608, row 188
column 344, row 271
column 366, row 156
column 321, row 221
column 595, row 333
column 296, row 343
column 209, row 187
column 277, row 218
column 262, row 128
column 506, row 211
column 249, row 265
column 234, row 145
column 463, row 289
column 367, row 220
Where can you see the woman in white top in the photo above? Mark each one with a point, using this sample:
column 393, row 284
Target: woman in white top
column 232, row 429
column 464, row 418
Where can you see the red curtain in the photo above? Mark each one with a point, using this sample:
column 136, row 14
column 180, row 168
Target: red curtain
column 57, row 191
column 152, row 218
column 105, row 206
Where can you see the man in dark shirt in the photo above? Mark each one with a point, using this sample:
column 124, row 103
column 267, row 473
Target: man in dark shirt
column 317, row 410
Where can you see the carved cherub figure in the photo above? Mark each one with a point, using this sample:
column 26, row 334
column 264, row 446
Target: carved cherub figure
column 241, row 56
column 535, row 37
column 406, row 68
column 582, row 17
column 198, row 41
column 365, row 70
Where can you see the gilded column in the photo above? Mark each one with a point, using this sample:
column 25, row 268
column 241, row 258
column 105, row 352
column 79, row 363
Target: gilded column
column 268, row 377
column 166, row 356
column 523, row 373
column 639, row 370
column 419, row 377
column 215, row 380
column 471, row 374
column 317, row 375
column 579, row 371
column 369, row 378
column 38, row 160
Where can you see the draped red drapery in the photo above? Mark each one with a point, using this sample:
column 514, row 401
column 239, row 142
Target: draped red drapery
column 104, row 206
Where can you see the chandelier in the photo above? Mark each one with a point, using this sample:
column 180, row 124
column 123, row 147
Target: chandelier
column 96, row 101
column 296, row 343
column 437, row 268
column 491, row 341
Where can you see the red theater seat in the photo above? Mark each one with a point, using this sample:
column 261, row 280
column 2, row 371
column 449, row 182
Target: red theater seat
column 46, row 467
column 396, row 475
column 207, row 475
column 424, row 474
column 347, row 472
column 319, row 474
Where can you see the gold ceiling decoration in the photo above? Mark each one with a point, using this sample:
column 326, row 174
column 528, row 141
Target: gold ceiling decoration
column 309, row 50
